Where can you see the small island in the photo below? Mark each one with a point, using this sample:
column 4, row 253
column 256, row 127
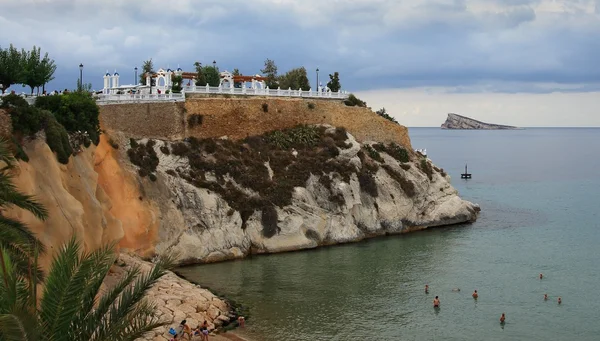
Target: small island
column 455, row 121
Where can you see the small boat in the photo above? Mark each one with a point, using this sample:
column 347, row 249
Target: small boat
column 466, row 174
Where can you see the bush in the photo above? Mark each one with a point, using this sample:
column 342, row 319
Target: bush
column 405, row 166
column 397, row 152
column 353, row 101
column 373, row 154
column 180, row 149
column 76, row 111
column 144, row 156
column 269, row 221
column 12, row 101
column 426, row 168
column 408, row 187
column 27, row 120
column 383, row 113
column 311, row 105
column 368, row 184
column 195, row 120
column 265, row 107
column 57, row 139
column 165, row 149
column 18, row 151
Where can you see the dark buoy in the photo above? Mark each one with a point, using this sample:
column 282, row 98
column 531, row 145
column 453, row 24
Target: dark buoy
column 465, row 175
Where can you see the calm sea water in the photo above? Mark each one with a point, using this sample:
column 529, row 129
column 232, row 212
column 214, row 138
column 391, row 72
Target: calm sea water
column 539, row 190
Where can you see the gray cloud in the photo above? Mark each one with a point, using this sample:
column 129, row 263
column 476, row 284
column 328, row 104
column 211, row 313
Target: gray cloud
column 372, row 43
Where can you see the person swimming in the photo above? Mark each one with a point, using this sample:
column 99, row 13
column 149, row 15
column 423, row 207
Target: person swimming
column 545, row 297
column 456, row 289
column 541, row 276
column 502, row 318
column 426, row 288
column 436, row 302
column 475, row 294
column 559, row 300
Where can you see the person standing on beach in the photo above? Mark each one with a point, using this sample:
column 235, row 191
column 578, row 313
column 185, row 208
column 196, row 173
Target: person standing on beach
column 436, row 302
column 475, row 295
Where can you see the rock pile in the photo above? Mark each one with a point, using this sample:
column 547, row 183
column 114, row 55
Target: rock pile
column 176, row 299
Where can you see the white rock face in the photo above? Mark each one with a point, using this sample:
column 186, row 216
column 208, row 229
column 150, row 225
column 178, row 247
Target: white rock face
column 199, row 225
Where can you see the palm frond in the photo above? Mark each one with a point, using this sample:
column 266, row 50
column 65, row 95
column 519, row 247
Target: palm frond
column 18, row 326
column 64, row 290
column 84, row 320
column 10, row 196
column 125, row 306
column 15, row 232
column 6, row 155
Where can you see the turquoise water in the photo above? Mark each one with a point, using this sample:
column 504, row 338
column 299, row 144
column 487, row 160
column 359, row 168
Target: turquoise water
column 539, row 190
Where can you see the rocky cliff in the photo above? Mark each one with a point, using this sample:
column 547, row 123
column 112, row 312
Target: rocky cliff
column 455, row 121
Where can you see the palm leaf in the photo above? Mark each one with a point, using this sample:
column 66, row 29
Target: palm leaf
column 5, row 154
column 18, row 326
column 64, row 290
column 10, row 196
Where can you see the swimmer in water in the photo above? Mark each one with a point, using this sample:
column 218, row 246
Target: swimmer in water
column 502, row 318
column 545, row 297
column 426, row 288
column 436, row 302
column 475, row 295
column 541, row 276
column 559, row 301
column 456, row 289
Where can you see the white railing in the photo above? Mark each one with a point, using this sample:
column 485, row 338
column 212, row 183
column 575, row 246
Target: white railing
column 131, row 98
column 265, row 92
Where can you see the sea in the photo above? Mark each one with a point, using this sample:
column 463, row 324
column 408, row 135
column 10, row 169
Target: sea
column 539, row 192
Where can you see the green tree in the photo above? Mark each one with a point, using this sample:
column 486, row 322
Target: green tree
column 211, row 75
column 72, row 306
column 147, row 67
column 46, row 70
column 200, row 80
column 11, row 67
column 16, row 240
column 177, row 86
column 295, row 79
column 334, row 82
column 236, row 72
column 270, row 72
column 31, row 75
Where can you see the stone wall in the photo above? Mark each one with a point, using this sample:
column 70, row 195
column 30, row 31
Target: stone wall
column 239, row 117
column 151, row 120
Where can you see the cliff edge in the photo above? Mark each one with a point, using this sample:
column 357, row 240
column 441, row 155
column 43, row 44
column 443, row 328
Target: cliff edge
column 455, row 121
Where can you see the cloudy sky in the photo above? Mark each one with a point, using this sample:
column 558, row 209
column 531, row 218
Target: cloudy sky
column 521, row 62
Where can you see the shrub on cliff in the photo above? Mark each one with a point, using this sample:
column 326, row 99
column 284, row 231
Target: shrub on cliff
column 12, row 101
column 408, row 187
column 269, row 220
column 144, row 156
column 393, row 150
column 383, row 113
column 57, row 139
column 353, row 101
column 426, row 168
column 367, row 183
column 76, row 111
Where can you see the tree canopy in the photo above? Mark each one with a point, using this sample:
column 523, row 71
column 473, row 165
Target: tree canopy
column 270, row 72
column 334, row 82
column 147, row 67
column 25, row 67
column 295, row 79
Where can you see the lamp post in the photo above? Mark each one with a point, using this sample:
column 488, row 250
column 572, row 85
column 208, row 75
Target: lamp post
column 81, row 76
column 215, row 64
column 135, row 81
column 317, row 80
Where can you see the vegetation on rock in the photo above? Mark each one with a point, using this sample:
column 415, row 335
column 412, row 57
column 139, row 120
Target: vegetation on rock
column 144, row 156
column 353, row 101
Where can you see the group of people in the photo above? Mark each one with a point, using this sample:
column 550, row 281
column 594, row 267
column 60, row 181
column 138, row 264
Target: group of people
column 475, row 295
column 183, row 329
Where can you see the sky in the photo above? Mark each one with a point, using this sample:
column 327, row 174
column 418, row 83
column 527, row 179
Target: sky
column 516, row 62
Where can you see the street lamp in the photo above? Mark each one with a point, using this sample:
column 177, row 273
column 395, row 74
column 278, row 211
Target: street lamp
column 215, row 64
column 135, row 81
column 81, row 76
column 317, row 79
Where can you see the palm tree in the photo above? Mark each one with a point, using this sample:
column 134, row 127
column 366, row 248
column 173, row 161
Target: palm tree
column 15, row 238
column 71, row 308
